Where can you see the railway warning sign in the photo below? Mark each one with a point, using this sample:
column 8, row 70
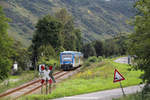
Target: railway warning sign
column 117, row 76
column 46, row 76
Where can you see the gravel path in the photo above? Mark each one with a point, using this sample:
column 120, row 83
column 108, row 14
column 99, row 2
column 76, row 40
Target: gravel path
column 123, row 60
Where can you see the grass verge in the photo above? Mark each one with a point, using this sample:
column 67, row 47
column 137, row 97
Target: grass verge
column 96, row 77
column 20, row 79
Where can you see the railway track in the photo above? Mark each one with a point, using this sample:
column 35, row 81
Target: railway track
column 29, row 87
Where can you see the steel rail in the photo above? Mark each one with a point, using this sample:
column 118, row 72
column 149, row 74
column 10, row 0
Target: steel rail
column 24, row 86
column 30, row 84
column 34, row 89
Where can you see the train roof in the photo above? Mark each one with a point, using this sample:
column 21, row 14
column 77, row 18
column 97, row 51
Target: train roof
column 71, row 52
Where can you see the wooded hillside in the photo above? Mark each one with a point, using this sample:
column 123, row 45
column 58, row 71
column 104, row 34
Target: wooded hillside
column 97, row 19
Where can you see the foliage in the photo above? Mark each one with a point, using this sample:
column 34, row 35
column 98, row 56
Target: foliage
column 86, row 64
column 79, row 39
column 88, row 50
column 116, row 45
column 139, row 43
column 48, row 31
column 47, row 39
column 71, row 36
column 21, row 55
column 49, row 62
column 98, row 45
column 46, row 51
column 121, row 39
column 100, row 58
column 5, row 44
column 110, row 47
column 92, row 59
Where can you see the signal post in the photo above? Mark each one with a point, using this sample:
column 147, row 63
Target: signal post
column 118, row 78
column 46, row 78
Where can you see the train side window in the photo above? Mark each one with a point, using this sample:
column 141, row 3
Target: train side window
column 77, row 59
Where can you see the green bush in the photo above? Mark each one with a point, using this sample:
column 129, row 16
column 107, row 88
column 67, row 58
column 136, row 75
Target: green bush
column 86, row 64
column 92, row 59
column 100, row 58
column 49, row 62
column 18, row 72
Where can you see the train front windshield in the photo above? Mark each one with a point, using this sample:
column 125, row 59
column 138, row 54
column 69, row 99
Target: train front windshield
column 67, row 58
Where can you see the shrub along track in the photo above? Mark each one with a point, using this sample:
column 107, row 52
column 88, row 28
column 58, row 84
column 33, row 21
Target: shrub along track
column 29, row 87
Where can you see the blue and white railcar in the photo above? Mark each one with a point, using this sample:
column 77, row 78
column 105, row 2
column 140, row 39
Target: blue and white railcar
column 70, row 59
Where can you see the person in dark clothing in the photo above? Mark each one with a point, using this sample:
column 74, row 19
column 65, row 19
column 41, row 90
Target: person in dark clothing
column 51, row 73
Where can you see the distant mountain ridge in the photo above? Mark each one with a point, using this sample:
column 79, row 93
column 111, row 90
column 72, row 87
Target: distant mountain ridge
column 98, row 19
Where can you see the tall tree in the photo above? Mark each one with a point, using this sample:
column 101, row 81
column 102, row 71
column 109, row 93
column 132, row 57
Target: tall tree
column 47, row 34
column 48, row 31
column 140, row 39
column 88, row 50
column 21, row 55
column 98, row 45
column 110, row 48
column 5, row 44
column 79, row 40
column 68, row 29
column 121, row 40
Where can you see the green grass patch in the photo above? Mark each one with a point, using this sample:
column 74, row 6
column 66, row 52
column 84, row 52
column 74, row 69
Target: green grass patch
column 14, row 77
column 23, row 78
column 96, row 77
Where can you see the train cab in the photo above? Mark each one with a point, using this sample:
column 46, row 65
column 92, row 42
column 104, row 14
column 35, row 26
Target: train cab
column 70, row 59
